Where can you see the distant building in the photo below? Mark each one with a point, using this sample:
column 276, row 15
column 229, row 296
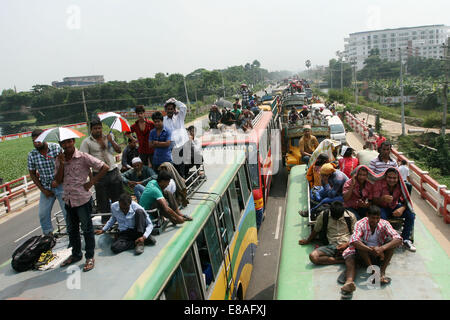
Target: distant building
column 79, row 81
column 422, row 41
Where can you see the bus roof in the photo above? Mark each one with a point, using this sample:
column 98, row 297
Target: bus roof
column 238, row 137
column 124, row 275
column 420, row 275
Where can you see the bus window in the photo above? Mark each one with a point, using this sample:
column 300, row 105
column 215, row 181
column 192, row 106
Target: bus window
column 191, row 278
column 254, row 175
column 237, row 186
column 225, row 219
column 235, row 203
column 244, row 184
column 175, row 289
column 213, row 245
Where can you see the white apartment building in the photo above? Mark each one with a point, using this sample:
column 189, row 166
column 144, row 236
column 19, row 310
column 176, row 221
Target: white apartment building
column 422, row 41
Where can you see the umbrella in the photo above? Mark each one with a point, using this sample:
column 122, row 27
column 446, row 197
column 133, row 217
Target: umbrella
column 224, row 103
column 58, row 134
column 115, row 121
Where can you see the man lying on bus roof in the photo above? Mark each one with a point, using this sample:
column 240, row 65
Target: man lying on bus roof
column 135, row 226
column 154, row 197
column 373, row 240
column 334, row 232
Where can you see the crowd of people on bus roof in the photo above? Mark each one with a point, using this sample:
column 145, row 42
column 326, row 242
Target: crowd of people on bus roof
column 352, row 201
column 154, row 168
column 240, row 117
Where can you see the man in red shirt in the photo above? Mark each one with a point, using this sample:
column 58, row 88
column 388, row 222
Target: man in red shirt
column 142, row 128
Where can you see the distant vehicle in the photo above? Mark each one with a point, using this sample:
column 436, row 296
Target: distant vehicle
column 337, row 130
column 309, row 93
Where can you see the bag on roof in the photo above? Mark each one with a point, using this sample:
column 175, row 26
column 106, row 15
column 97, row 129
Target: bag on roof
column 26, row 254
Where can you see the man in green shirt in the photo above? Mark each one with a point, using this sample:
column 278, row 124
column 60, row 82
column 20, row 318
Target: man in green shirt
column 154, row 197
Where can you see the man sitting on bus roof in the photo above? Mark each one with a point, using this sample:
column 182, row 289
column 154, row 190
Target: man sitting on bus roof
column 357, row 192
column 384, row 161
column 373, row 240
column 138, row 177
column 214, row 117
column 155, row 197
column 293, row 115
column 334, row 232
column 134, row 224
column 333, row 181
column 391, row 195
column 307, row 144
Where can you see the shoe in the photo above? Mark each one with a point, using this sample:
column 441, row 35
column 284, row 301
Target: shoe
column 45, row 258
column 303, row 213
column 139, row 249
column 150, row 240
column 409, row 245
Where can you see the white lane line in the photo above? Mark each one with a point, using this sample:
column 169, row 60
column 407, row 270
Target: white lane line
column 277, row 231
column 29, row 233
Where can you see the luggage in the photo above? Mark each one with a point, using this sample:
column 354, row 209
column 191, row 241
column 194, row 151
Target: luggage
column 27, row 254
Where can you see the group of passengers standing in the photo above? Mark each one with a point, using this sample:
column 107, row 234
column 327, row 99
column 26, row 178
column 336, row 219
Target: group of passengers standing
column 63, row 172
column 351, row 203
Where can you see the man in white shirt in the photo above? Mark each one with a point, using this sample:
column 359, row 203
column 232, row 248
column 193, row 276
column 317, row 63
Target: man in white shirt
column 174, row 121
column 404, row 171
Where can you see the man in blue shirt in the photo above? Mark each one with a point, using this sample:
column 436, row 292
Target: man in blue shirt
column 160, row 140
column 135, row 226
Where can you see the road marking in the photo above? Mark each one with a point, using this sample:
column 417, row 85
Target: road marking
column 30, row 232
column 277, row 231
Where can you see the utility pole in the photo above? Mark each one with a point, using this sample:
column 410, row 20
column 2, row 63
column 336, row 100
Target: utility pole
column 85, row 112
column 342, row 73
column 223, row 85
column 401, row 92
column 331, row 77
column 445, row 89
column 356, row 83
column 187, row 97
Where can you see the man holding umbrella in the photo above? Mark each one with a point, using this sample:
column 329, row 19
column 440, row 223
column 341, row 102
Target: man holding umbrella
column 42, row 160
column 103, row 147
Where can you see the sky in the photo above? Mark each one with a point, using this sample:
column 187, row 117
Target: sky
column 44, row 41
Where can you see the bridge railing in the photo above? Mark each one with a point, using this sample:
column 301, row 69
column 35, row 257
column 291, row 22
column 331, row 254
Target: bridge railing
column 437, row 195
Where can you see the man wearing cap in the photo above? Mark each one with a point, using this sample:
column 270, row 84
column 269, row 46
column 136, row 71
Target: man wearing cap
column 308, row 143
column 333, row 181
column 174, row 122
column 138, row 177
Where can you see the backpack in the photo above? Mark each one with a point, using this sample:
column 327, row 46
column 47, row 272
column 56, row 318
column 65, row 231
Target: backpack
column 27, row 254
column 323, row 232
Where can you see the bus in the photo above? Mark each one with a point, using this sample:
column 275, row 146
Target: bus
column 422, row 275
column 210, row 257
column 262, row 147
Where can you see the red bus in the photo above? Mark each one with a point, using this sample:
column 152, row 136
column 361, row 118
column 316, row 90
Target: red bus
column 262, row 146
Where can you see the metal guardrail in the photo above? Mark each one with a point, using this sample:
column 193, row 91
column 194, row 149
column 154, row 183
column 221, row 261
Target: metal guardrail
column 437, row 195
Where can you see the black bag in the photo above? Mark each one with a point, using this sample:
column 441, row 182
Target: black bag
column 28, row 253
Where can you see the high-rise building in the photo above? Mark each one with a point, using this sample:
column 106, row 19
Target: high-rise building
column 422, row 41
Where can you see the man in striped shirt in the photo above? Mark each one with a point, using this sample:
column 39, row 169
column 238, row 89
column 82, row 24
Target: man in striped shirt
column 383, row 161
column 373, row 240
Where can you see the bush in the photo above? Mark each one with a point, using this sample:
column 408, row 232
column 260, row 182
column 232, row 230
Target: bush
column 434, row 121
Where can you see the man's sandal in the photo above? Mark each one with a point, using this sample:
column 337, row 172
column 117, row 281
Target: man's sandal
column 70, row 260
column 89, row 265
column 385, row 280
column 186, row 217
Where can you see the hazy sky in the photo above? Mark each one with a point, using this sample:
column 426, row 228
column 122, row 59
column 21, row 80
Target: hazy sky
column 43, row 41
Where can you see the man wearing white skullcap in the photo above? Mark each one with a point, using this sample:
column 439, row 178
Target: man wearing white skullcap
column 138, row 177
